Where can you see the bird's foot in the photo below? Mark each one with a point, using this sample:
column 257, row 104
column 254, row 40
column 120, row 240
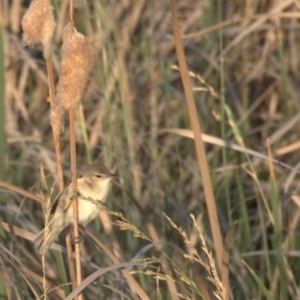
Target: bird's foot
column 76, row 194
column 76, row 240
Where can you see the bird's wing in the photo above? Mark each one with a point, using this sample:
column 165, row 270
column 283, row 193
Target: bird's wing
column 55, row 202
column 65, row 195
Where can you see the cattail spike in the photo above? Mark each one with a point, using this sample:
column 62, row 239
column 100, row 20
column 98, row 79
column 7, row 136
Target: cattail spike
column 77, row 60
column 38, row 25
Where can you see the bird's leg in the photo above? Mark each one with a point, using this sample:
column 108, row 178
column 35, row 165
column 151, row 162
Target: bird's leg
column 75, row 194
column 76, row 240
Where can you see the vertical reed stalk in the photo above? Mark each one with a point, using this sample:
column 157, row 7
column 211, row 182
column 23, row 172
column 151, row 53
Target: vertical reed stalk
column 59, row 169
column 75, row 198
column 201, row 156
column 74, row 182
column 2, row 94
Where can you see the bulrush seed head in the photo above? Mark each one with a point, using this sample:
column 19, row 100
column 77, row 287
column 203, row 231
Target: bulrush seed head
column 38, row 25
column 56, row 119
column 76, row 62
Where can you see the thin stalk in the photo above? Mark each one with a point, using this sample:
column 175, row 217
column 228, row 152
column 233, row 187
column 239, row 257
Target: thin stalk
column 74, row 180
column 75, row 198
column 201, row 156
column 71, row 10
column 2, row 95
column 59, row 167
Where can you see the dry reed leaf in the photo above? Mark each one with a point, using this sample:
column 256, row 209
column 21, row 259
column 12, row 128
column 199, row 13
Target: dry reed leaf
column 184, row 296
column 9, row 255
column 225, row 264
column 199, row 145
column 134, row 286
column 18, row 231
column 257, row 24
column 20, row 191
column 78, row 57
column 287, row 148
column 226, row 144
column 88, row 280
column 38, row 25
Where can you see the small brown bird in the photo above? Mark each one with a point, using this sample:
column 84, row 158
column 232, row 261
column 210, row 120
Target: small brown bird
column 93, row 185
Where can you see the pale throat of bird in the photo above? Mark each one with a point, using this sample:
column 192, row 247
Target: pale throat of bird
column 96, row 191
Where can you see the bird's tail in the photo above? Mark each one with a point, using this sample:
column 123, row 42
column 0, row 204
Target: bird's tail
column 44, row 241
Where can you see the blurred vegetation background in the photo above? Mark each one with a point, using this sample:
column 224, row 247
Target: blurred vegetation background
column 247, row 52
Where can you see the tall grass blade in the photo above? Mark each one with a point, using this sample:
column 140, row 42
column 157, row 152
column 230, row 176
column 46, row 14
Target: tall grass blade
column 2, row 94
column 202, row 160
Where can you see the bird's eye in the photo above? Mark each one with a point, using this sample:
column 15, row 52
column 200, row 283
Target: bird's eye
column 98, row 175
